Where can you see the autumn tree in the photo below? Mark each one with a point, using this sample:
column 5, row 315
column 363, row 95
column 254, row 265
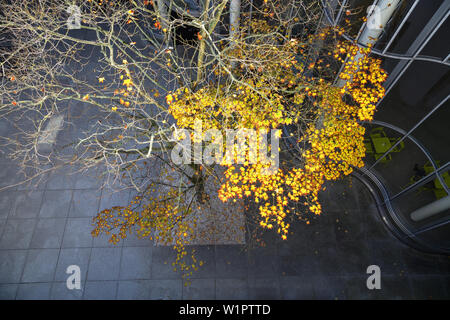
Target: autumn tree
column 144, row 70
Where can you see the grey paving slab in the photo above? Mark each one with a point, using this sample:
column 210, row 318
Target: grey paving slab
column 56, row 204
column 349, row 226
column 150, row 289
column 264, row 288
column 388, row 256
column 104, row 264
column 297, row 287
column 85, row 203
column 77, row 233
column 8, row 291
column 162, row 258
column 328, row 287
column 112, row 198
column 325, row 262
column 307, row 239
column 100, row 290
column 204, row 254
column 231, row 261
column 424, row 264
column 134, row 290
column 200, row 289
column 26, row 204
column 133, row 240
column 339, row 197
column 39, row 182
column 60, row 291
column 445, row 264
column 232, row 289
column 5, row 128
column 4, row 156
column 72, row 256
column 6, row 199
column 356, row 289
column 295, row 263
column 8, row 175
column 87, row 179
column 61, row 179
column 108, row 200
column 430, row 287
column 2, row 226
column 394, row 288
column 11, row 265
column 320, row 233
column 17, row 233
column 136, row 263
column 364, row 197
column 48, row 233
column 103, row 241
column 40, row 265
column 263, row 262
column 34, row 291
column 354, row 257
column 375, row 227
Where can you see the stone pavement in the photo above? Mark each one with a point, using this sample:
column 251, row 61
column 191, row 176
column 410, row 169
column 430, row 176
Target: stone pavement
column 46, row 228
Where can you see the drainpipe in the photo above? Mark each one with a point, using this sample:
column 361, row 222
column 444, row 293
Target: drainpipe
column 235, row 16
column 431, row 209
column 378, row 16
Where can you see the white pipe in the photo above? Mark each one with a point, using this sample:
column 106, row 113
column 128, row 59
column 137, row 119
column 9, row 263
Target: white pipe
column 378, row 16
column 431, row 209
column 163, row 13
column 235, row 17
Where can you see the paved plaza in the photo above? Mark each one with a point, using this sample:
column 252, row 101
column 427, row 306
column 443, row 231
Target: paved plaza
column 46, row 228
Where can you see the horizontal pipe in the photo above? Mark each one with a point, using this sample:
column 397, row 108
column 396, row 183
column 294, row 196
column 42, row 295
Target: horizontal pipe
column 431, row 209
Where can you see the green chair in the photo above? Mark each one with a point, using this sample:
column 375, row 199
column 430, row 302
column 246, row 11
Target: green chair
column 379, row 143
column 438, row 189
column 398, row 147
column 378, row 132
column 368, row 145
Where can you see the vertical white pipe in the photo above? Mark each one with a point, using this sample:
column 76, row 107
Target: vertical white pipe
column 163, row 13
column 377, row 18
column 235, row 15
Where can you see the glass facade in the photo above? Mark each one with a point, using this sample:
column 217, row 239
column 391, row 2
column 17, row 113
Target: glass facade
column 407, row 162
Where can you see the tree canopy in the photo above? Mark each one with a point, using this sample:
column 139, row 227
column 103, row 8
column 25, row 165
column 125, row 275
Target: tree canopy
column 137, row 71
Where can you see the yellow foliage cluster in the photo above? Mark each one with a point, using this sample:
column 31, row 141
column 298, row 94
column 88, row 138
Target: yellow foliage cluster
column 269, row 89
column 274, row 98
column 219, row 108
column 364, row 78
column 268, row 98
column 154, row 215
